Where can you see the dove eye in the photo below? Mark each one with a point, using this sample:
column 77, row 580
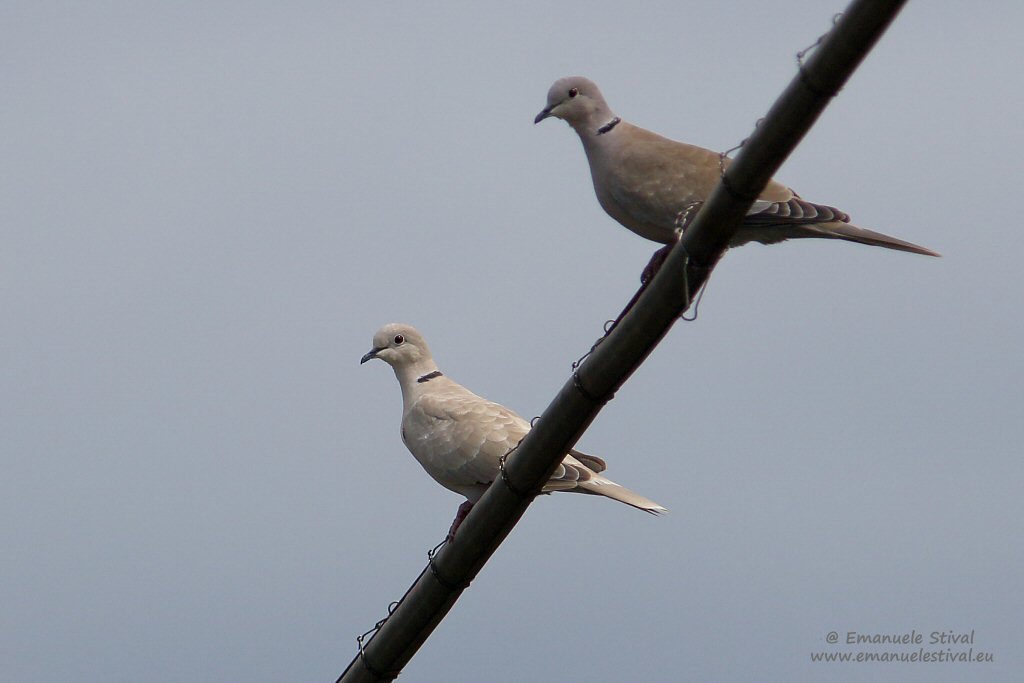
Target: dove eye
column 573, row 92
column 399, row 339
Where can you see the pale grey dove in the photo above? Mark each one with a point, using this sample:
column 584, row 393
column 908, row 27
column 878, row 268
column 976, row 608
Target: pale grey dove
column 645, row 181
column 459, row 437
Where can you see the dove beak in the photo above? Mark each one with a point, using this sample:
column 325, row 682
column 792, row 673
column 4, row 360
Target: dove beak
column 369, row 356
column 544, row 113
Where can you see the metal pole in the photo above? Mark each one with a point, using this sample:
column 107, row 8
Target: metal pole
column 619, row 354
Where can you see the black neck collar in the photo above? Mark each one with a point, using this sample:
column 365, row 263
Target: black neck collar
column 608, row 126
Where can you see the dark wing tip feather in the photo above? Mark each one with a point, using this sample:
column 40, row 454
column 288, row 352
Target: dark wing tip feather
column 797, row 211
column 593, row 462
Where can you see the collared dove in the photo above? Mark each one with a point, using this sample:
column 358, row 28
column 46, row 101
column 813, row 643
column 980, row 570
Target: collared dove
column 647, row 182
column 459, row 437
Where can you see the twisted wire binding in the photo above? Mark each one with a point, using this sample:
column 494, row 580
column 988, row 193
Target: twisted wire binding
column 696, row 302
column 800, row 55
column 821, row 39
column 686, row 292
column 607, row 328
column 682, row 221
column 433, row 551
column 722, row 156
column 685, row 217
column 579, row 361
column 578, row 382
column 821, row 92
column 504, row 473
column 586, row 393
column 444, row 581
column 386, row 675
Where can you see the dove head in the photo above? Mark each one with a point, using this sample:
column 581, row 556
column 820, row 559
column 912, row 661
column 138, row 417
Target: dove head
column 577, row 101
column 400, row 346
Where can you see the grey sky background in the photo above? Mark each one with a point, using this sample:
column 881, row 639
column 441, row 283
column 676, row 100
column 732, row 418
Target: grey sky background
column 208, row 208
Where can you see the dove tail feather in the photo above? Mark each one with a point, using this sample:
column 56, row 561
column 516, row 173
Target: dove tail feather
column 851, row 233
column 606, row 487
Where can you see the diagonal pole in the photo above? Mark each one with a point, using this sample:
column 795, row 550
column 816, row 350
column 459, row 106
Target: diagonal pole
column 621, row 352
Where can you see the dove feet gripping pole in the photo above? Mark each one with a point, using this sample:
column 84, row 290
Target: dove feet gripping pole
column 653, row 267
column 459, row 516
column 650, row 270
